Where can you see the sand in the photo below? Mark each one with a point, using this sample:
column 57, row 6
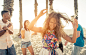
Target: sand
column 36, row 41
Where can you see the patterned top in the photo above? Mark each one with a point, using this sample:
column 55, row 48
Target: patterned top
column 50, row 42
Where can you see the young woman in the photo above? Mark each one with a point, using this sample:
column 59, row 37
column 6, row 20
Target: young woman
column 52, row 32
column 26, row 39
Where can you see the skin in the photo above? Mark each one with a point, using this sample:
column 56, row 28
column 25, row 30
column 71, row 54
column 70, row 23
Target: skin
column 6, row 17
column 30, row 47
column 78, row 32
column 53, row 25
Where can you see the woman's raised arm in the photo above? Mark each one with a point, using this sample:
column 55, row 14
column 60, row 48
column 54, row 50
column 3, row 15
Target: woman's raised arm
column 31, row 25
column 72, row 39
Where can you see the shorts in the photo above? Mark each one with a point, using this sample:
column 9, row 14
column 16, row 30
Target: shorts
column 25, row 44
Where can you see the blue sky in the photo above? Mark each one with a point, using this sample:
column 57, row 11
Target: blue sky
column 65, row 6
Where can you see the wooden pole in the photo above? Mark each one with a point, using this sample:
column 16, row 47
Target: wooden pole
column 20, row 15
column 51, row 5
column 46, row 6
column 76, row 8
column 36, row 4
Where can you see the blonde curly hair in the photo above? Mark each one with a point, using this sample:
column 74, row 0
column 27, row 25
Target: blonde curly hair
column 59, row 26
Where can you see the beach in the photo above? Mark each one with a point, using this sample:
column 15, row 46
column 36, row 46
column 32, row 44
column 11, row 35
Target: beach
column 36, row 41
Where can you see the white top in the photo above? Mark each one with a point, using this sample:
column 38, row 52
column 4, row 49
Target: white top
column 27, row 36
column 5, row 39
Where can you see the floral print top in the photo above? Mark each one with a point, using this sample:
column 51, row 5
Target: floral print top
column 50, row 42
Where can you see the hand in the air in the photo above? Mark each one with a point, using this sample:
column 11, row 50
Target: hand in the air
column 75, row 24
column 42, row 12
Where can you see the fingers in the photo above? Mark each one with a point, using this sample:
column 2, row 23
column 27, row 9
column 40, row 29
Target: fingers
column 4, row 28
column 44, row 10
column 9, row 25
column 75, row 24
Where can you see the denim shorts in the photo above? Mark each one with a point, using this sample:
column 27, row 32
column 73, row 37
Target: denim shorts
column 76, row 50
column 25, row 44
column 8, row 51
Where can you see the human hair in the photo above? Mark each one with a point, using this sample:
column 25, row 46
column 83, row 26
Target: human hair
column 2, row 12
column 59, row 26
column 25, row 25
column 76, row 17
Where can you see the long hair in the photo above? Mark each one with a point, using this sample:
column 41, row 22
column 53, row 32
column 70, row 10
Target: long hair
column 25, row 25
column 59, row 27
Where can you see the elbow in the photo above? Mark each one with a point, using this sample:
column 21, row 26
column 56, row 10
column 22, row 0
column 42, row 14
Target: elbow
column 73, row 41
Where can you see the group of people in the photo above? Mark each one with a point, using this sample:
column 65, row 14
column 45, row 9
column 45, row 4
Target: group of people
column 52, row 31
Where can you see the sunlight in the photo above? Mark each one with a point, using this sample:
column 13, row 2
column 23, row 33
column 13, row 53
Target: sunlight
column 41, row 21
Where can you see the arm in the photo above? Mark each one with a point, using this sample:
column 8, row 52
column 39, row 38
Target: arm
column 31, row 25
column 2, row 31
column 73, row 39
column 22, row 34
column 37, row 29
column 78, row 35
column 10, row 28
column 66, row 43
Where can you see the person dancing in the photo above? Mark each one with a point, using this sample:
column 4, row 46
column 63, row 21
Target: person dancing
column 52, row 32
column 26, row 39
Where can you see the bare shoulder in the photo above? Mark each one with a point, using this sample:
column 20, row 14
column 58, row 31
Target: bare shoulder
column 22, row 30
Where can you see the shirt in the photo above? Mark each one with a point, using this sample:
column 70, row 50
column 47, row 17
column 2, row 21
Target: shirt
column 50, row 42
column 27, row 36
column 80, row 40
column 5, row 39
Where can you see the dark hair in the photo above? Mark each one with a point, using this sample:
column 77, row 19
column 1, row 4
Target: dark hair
column 25, row 25
column 2, row 12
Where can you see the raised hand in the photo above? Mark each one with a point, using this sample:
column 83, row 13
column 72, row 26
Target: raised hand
column 75, row 24
column 42, row 12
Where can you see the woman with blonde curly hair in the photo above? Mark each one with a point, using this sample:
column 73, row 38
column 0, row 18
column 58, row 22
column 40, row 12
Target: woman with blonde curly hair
column 52, row 32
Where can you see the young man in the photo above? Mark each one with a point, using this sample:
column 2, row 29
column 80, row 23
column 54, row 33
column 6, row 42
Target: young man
column 79, row 41
column 6, row 29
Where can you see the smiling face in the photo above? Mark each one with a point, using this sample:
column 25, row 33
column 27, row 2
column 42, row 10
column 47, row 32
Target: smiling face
column 6, row 16
column 27, row 23
column 52, row 23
